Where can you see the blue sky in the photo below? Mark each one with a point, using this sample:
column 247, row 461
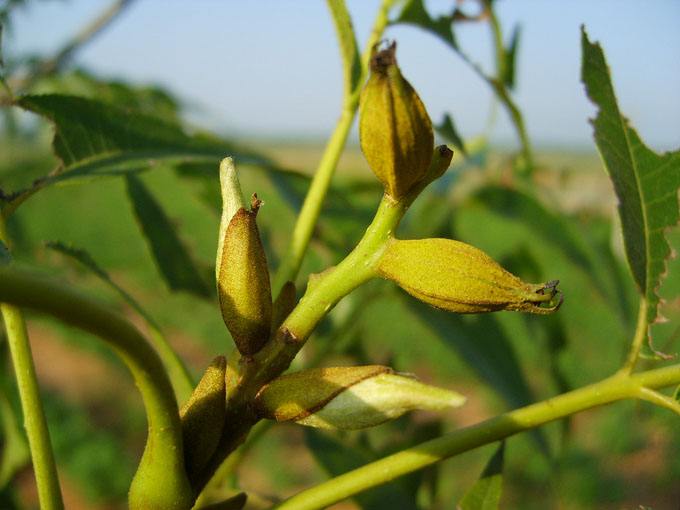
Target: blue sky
column 271, row 68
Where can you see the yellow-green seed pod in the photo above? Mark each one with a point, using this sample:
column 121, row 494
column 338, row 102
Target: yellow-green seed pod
column 203, row 417
column 349, row 398
column 395, row 130
column 243, row 282
column 457, row 277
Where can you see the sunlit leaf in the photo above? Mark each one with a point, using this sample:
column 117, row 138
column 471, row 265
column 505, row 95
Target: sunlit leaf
column 171, row 256
column 415, row 13
column 485, row 494
column 93, row 138
column 645, row 182
column 146, row 99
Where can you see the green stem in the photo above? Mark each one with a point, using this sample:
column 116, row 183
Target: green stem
column 35, row 423
column 638, row 339
column 311, row 208
column 46, row 477
column 499, row 47
column 160, row 481
column 615, row 388
column 659, row 399
column 518, row 121
column 499, row 86
column 358, row 267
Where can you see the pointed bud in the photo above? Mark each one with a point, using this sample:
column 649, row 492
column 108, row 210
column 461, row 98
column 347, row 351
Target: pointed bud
column 349, row 398
column 394, row 129
column 457, row 277
column 243, row 282
column 203, row 417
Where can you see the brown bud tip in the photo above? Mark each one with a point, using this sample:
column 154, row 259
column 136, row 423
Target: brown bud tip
column 255, row 203
column 382, row 59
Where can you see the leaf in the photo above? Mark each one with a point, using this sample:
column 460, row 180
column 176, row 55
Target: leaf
column 645, row 183
column 510, row 55
column 179, row 374
column 485, row 494
column 351, row 61
column 150, row 100
column 414, row 13
column 481, row 342
column 447, row 129
column 548, row 228
column 337, row 457
column 15, row 454
column 5, row 255
column 236, row 502
column 94, row 138
column 2, row 60
column 171, row 256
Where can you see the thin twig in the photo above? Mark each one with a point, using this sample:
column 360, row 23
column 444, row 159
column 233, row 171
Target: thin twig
column 659, row 399
column 65, row 54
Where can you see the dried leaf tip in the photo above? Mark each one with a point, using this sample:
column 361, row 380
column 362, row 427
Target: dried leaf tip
column 381, row 60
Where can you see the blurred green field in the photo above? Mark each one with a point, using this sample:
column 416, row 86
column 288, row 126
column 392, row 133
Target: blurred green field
column 620, row 457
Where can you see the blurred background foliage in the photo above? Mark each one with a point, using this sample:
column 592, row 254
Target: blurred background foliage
column 556, row 222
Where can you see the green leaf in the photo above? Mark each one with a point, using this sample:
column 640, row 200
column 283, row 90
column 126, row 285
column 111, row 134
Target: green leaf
column 351, row 61
column 94, row 138
column 510, row 54
column 150, row 100
column 236, row 502
column 5, row 255
column 547, row 228
column 15, row 454
column 414, row 13
column 337, row 457
column 178, row 372
column 171, row 256
column 481, row 342
column 645, row 183
column 485, row 494
column 2, row 60
column 447, row 129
